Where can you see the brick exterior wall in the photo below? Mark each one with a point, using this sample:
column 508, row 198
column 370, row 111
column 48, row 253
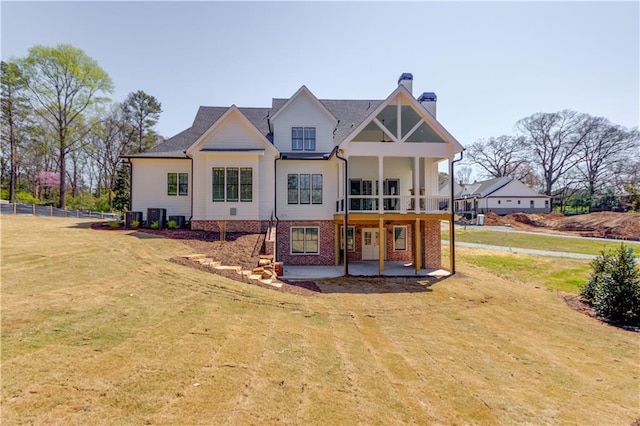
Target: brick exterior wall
column 432, row 248
column 392, row 256
column 399, row 256
column 245, row 226
column 326, row 243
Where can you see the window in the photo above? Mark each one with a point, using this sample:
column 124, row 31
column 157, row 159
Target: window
column 304, row 189
column 232, row 184
column 399, row 238
column 246, row 184
column 177, row 184
column 531, row 204
column 518, row 201
column 303, row 138
column 183, row 184
column 304, row 240
column 350, row 240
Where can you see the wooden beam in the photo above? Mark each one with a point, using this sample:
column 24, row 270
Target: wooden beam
column 372, row 218
column 452, row 259
column 416, row 246
column 336, row 244
column 382, row 246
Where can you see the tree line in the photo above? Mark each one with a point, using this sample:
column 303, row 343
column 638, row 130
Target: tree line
column 573, row 157
column 62, row 136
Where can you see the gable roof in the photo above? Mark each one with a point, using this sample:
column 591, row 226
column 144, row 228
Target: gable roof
column 417, row 106
column 175, row 146
column 255, row 114
column 485, row 188
column 350, row 114
column 303, row 91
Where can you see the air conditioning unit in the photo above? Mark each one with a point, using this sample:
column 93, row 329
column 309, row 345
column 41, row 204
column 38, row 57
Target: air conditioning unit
column 157, row 215
column 130, row 217
column 179, row 220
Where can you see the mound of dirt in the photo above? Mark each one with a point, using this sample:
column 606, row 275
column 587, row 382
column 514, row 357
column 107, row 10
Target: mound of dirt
column 602, row 225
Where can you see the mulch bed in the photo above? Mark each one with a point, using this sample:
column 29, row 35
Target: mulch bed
column 576, row 303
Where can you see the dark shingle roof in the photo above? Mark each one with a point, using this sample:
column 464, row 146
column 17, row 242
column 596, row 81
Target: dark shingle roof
column 206, row 116
column 350, row 114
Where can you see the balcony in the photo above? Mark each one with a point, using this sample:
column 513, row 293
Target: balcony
column 395, row 204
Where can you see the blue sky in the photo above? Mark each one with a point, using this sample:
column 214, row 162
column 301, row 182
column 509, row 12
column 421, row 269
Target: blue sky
column 490, row 63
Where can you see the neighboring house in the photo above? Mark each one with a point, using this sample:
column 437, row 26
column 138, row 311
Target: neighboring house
column 502, row 196
column 308, row 168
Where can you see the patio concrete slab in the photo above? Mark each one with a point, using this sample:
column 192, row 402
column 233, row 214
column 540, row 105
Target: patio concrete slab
column 391, row 269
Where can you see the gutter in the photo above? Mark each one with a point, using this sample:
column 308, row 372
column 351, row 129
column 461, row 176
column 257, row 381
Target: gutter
column 346, row 211
column 452, row 237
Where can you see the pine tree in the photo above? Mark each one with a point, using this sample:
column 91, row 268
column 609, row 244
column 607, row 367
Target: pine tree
column 122, row 189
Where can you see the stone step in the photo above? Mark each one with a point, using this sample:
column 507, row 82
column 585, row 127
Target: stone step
column 192, row 256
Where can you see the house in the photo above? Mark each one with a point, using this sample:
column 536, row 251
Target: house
column 501, row 195
column 321, row 177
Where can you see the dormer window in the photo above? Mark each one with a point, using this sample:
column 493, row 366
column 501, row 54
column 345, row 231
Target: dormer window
column 303, row 138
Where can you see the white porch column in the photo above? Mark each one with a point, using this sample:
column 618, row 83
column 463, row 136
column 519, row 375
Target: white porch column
column 380, row 183
column 416, row 184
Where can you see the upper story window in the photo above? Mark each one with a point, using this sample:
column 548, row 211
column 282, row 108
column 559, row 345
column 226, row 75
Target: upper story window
column 303, row 138
column 304, row 189
column 232, row 184
column 177, row 184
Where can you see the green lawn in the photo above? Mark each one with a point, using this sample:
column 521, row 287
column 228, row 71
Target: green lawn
column 537, row 242
column 98, row 327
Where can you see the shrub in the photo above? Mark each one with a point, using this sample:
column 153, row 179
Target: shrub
column 135, row 223
column 172, row 224
column 155, row 225
column 614, row 286
column 26, row 198
column 114, row 224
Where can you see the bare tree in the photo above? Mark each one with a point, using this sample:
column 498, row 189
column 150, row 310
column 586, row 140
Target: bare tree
column 501, row 156
column 605, row 146
column 463, row 174
column 555, row 142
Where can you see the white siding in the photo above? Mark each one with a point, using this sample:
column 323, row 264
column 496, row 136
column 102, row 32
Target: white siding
column 149, row 190
column 233, row 133
column 330, row 184
column 260, row 208
column 303, row 112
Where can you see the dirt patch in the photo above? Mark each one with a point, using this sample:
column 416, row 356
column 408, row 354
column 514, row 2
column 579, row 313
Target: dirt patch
column 625, row 226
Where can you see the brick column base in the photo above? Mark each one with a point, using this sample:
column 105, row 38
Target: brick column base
column 432, row 250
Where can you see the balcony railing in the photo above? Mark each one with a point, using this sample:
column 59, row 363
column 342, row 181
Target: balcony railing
column 394, row 204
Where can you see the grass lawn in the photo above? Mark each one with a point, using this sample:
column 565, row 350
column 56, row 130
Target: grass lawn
column 537, row 242
column 99, row 328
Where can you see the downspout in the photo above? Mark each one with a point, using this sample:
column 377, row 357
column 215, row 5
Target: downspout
column 346, row 213
column 191, row 192
column 275, row 204
column 452, row 237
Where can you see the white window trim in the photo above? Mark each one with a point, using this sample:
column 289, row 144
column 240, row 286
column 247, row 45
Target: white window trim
column 406, row 238
column 177, row 194
column 291, row 241
column 342, row 236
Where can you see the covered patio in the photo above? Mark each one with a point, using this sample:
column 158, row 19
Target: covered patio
column 361, row 268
